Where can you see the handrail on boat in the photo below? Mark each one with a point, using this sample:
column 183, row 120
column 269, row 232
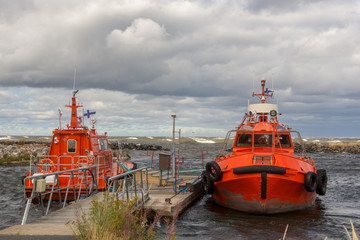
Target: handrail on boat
column 277, row 131
column 87, row 179
column 127, row 185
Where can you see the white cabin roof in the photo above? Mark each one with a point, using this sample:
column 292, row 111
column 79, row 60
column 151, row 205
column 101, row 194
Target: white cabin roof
column 262, row 108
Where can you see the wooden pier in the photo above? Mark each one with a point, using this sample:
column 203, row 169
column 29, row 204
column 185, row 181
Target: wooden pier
column 57, row 225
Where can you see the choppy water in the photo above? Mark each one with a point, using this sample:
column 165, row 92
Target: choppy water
column 206, row 220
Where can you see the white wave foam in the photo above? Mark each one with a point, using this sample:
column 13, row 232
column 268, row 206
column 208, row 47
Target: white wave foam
column 132, row 138
column 150, row 137
column 305, row 140
column 335, row 141
column 202, row 140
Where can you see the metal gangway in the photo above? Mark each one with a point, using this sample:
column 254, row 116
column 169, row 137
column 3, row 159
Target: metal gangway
column 87, row 183
column 131, row 185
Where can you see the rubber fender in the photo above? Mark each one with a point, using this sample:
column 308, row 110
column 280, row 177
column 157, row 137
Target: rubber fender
column 23, row 179
column 310, row 182
column 134, row 166
column 208, row 185
column 213, row 171
column 321, row 181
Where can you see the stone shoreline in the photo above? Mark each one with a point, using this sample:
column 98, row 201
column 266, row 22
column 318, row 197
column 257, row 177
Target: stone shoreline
column 329, row 148
column 18, row 152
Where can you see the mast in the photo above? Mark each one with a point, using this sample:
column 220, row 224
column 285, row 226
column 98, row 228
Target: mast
column 265, row 93
column 74, row 118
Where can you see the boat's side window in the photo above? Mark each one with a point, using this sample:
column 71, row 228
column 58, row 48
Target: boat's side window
column 283, row 140
column 105, row 144
column 244, row 140
column 101, row 144
column 71, row 144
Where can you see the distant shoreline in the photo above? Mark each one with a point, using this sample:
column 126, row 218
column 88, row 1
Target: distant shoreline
column 13, row 152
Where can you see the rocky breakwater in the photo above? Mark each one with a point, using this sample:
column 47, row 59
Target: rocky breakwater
column 137, row 146
column 15, row 153
column 329, row 147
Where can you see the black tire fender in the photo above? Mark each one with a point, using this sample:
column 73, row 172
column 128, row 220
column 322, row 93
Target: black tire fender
column 310, row 182
column 208, row 185
column 321, row 182
column 213, row 171
column 134, row 166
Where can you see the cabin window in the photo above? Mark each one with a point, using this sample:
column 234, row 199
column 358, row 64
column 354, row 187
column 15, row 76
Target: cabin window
column 263, row 140
column 244, row 140
column 283, row 141
column 71, row 144
column 103, row 145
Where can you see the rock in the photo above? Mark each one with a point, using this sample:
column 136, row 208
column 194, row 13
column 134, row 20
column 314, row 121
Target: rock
column 328, row 148
column 136, row 146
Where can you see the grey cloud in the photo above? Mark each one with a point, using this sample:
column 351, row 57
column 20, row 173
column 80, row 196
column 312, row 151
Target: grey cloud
column 196, row 58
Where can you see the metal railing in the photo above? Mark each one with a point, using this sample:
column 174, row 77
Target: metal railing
column 252, row 132
column 85, row 183
column 127, row 186
column 72, row 162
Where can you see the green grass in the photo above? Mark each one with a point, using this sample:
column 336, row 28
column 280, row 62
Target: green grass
column 7, row 159
column 111, row 219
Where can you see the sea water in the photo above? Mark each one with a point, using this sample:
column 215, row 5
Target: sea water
column 206, row 220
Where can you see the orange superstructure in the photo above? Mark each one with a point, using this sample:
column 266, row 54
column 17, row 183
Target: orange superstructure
column 262, row 174
column 74, row 147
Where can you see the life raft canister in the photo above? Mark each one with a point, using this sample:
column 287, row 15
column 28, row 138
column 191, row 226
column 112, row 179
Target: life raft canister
column 213, row 171
column 310, row 181
column 46, row 162
column 321, row 182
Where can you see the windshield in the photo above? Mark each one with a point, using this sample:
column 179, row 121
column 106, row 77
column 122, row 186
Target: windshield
column 282, row 140
column 244, row 140
column 263, row 140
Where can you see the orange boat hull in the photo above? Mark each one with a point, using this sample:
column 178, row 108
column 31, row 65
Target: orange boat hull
column 262, row 174
column 254, row 194
column 55, row 197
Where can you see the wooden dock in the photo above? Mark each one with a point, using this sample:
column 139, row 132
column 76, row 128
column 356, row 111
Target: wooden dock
column 161, row 199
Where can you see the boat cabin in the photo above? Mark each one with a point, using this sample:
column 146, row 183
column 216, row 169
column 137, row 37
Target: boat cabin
column 77, row 146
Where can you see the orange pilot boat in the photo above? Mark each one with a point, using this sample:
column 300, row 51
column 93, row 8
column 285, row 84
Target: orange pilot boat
column 76, row 147
column 263, row 175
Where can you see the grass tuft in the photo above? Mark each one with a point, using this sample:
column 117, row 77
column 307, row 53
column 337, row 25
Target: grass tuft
column 354, row 236
column 113, row 219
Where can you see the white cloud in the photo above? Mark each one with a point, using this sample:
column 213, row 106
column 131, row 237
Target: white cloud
column 147, row 59
column 143, row 33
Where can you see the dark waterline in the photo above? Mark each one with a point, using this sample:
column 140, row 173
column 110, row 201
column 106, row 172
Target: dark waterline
column 206, row 220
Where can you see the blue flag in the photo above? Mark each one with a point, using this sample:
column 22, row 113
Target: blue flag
column 267, row 91
column 88, row 113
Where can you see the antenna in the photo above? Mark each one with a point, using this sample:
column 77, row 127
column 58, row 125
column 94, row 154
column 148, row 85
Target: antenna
column 253, row 78
column 253, row 86
column 74, row 91
column 74, row 78
column 272, row 83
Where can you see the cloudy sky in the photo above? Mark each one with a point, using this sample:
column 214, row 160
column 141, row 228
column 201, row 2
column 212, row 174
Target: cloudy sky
column 139, row 61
